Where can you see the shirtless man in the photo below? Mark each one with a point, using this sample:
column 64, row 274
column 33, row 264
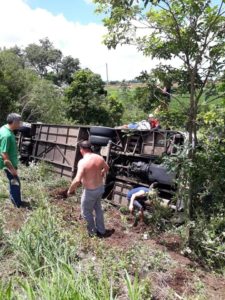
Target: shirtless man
column 91, row 171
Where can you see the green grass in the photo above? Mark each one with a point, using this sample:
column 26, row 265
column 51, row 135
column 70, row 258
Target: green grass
column 176, row 116
column 48, row 260
column 53, row 263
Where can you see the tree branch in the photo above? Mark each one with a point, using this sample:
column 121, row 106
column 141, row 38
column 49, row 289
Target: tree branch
column 216, row 98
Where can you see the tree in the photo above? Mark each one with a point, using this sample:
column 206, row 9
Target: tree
column 84, row 96
column 114, row 111
column 191, row 31
column 44, row 102
column 49, row 62
column 23, row 91
column 12, row 82
column 42, row 57
column 68, row 67
column 88, row 102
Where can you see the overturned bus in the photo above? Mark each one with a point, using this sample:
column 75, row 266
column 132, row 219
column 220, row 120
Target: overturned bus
column 134, row 156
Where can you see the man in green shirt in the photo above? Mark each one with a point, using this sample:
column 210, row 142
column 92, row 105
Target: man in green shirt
column 9, row 156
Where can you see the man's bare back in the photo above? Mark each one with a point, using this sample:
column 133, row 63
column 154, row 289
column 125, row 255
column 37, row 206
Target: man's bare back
column 91, row 170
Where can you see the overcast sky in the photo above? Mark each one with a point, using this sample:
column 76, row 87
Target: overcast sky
column 74, row 28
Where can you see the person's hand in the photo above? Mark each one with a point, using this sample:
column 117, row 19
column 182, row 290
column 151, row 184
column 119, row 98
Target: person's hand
column 14, row 173
column 69, row 193
column 131, row 208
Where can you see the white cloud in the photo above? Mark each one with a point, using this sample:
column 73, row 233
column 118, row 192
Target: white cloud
column 21, row 25
column 88, row 1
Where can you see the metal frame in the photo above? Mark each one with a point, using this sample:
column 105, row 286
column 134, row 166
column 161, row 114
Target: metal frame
column 59, row 148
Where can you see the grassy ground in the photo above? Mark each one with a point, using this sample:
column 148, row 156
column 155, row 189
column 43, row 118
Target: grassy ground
column 178, row 102
column 45, row 252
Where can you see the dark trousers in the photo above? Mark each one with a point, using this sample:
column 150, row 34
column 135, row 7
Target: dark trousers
column 14, row 188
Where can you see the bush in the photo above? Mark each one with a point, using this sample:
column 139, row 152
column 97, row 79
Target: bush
column 205, row 173
column 209, row 239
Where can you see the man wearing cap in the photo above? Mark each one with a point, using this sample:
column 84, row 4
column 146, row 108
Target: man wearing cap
column 9, row 156
column 90, row 172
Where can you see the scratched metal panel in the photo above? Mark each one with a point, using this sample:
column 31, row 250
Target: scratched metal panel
column 57, row 145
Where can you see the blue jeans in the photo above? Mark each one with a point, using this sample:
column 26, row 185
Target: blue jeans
column 14, row 188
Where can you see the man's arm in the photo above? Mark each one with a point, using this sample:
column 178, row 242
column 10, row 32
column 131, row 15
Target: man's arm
column 8, row 164
column 77, row 180
column 105, row 168
column 5, row 144
column 133, row 197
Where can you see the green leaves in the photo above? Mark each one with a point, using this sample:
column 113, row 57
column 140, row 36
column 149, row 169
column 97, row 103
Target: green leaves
column 49, row 62
column 88, row 101
column 12, row 82
column 31, row 79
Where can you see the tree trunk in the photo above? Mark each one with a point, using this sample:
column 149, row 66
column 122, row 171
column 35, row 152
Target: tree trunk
column 192, row 132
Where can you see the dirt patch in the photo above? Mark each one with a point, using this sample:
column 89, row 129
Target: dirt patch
column 180, row 281
column 214, row 285
column 125, row 234
column 59, row 193
column 171, row 241
column 14, row 218
column 70, row 211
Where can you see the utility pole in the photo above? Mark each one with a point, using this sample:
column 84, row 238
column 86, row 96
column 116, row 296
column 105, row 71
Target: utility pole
column 107, row 74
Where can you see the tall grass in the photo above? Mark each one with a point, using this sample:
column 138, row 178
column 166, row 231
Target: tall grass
column 5, row 247
column 41, row 244
column 6, row 291
column 66, row 283
column 51, row 268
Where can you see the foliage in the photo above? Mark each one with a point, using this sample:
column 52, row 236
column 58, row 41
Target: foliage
column 43, row 85
column 190, row 31
column 43, row 57
column 209, row 239
column 4, row 245
column 41, row 244
column 154, row 94
column 12, row 82
column 206, row 173
column 172, row 119
column 114, row 111
column 44, row 101
column 21, row 90
column 88, row 101
column 134, row 101
column 135, row 291
column 49, row 62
